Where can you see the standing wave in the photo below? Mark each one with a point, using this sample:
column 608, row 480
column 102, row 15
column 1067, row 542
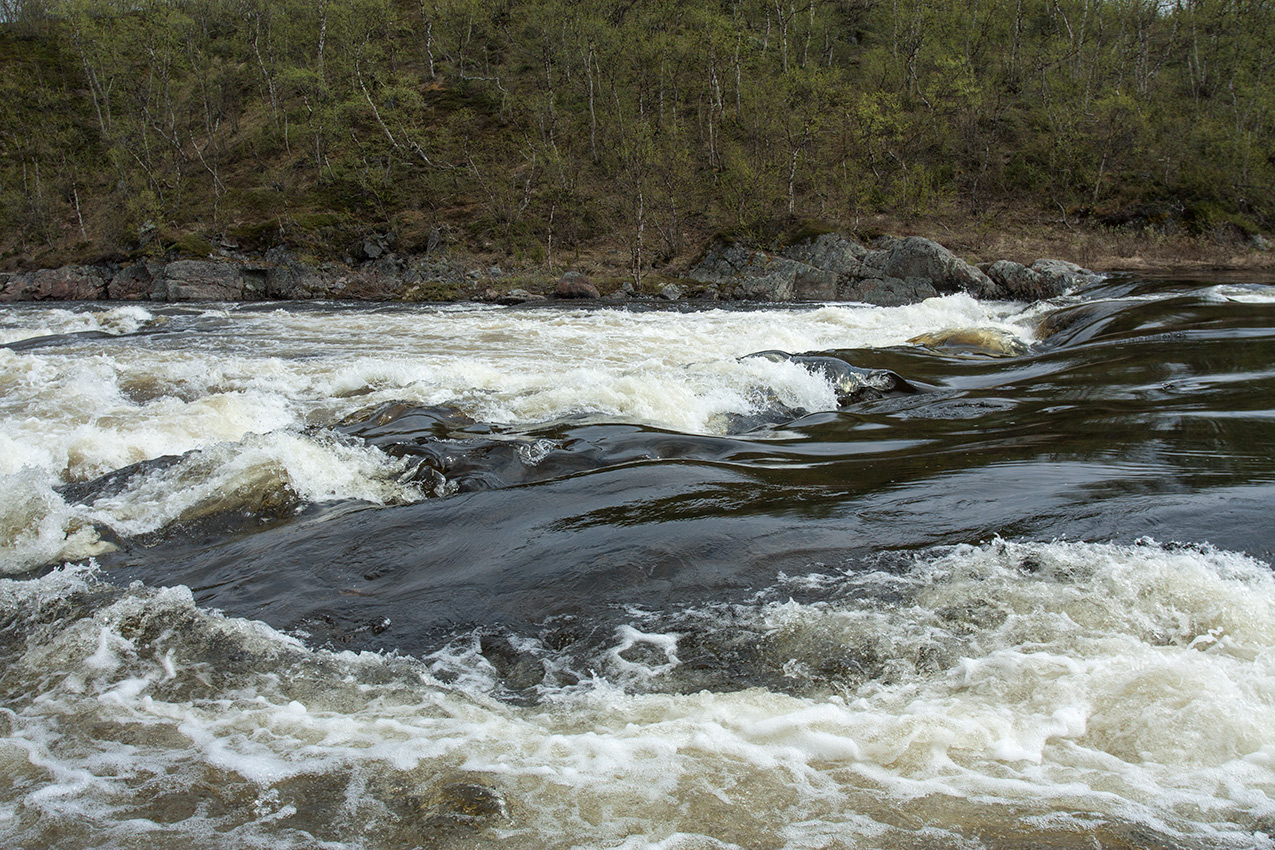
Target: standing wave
column 1057, row 694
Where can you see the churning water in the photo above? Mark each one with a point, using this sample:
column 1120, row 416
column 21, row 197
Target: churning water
column 372, row 576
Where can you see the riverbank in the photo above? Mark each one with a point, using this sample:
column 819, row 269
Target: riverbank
column 783, row 269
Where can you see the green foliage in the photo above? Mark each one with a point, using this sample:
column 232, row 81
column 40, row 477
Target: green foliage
column 543, row 127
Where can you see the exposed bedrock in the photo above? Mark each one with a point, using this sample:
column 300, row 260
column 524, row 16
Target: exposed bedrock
column 828, row 267
column 831, row 267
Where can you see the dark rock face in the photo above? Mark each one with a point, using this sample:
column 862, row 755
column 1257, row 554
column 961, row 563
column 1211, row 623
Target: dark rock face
column 887, row 291
column 757, row 275
column 1018, row 281
column 832, row 267
column 917, row 257
column 1060, row 275
column 199, row 280
column 829, row 267
column 69, row 283
column 286, row 278
column 576, row 285
column 133, row 283
column 830, row 252
column 1043, row 279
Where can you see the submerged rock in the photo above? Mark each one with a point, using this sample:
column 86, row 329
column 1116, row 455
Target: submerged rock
column 464, row 803
column 992, row 342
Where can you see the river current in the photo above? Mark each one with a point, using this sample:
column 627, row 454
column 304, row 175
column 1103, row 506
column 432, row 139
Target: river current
column 398, row 576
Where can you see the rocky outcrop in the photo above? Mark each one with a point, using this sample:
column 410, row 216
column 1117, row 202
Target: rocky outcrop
column 69, row 283
column 830, row 252
column 133, row 283
column 755, row 275
column 285, row 278
column 921, row 258
column 1060, row 275
column 1042, row 279
column 199, row 280
column 828, row 267
column 887, row 291
column 831, row 267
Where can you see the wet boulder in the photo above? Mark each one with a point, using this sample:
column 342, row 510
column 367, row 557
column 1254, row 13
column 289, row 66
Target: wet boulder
column 1019, row 282
column 1041, row 280
column 918, row 257
column 1060, row 276
column 575, row 285
column 884, row 291
column 751, row 274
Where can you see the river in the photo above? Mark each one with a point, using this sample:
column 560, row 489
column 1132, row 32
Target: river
column 441, row 576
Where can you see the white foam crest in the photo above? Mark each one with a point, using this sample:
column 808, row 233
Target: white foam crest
column 1245, row 293
column 262, row 473
column 259, row 475
column 89, row 423
column 135, row 400
column 25, row 322
column 38, row 527
column 1129, row 667
column 1150, row 702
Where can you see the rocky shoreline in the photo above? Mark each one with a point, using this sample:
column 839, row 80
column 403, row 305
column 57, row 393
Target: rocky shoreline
column 827, row 267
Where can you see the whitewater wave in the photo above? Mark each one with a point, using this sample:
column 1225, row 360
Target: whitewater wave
column 1055, row 693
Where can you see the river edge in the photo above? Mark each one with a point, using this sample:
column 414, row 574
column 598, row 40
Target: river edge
column 373, row 271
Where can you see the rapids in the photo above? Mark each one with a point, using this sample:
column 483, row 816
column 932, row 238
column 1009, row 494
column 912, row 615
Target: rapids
column 380, row 576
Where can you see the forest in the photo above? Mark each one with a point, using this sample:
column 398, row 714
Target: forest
column 543, row 129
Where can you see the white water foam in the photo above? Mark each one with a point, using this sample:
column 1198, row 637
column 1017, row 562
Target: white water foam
column 234, row 385
column 1245, row 293
column 19, row 322
column 1079, row 695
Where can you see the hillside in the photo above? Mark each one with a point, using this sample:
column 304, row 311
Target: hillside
column 626, row 132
